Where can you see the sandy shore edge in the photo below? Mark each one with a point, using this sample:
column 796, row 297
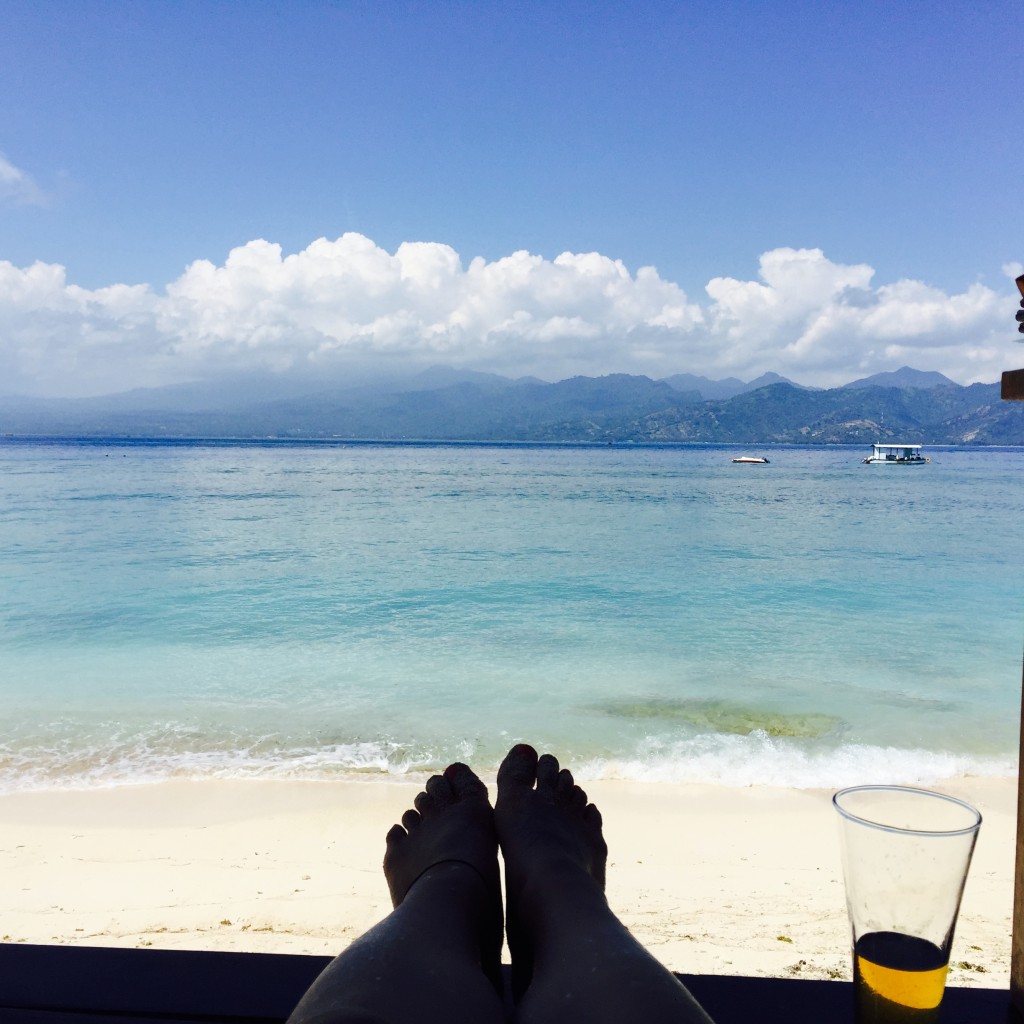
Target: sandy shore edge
column 711, row 879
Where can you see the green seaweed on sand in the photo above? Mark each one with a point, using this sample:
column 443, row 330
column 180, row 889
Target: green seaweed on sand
column 725, row 716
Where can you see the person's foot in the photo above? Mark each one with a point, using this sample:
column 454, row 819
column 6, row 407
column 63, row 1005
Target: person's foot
column 453, row 824
column 550, row 836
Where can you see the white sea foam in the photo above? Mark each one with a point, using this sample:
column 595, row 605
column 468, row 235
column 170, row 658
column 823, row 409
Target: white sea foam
column 756, row 759
column 144, row 764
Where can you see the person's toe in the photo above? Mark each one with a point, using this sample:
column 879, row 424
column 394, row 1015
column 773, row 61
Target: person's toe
column 425, row 803
column 411, row 820
column 519, row 769
column 547, row 774
column 439, row 789
column 564, row 785
column 464, row 782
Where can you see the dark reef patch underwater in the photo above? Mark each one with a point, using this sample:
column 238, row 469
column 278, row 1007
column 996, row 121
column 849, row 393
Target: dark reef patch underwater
column 725, row 716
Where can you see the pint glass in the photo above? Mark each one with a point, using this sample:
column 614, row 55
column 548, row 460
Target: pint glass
column 905, row 858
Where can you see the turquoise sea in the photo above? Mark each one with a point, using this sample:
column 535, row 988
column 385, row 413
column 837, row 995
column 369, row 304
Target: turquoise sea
column 320, row 610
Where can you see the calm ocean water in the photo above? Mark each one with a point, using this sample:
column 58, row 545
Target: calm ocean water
column 321, row 610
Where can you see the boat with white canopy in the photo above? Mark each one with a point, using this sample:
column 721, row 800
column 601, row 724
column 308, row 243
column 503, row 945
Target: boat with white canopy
column 896, row 455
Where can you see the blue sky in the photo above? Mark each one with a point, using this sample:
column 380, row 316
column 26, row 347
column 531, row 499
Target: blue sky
column 849, row 173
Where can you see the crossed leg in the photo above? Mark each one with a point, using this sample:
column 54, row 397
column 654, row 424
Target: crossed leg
column 436, row 956
column 572, row 959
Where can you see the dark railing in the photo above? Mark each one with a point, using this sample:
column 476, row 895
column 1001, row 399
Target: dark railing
column 1013, row 391
column 90, row 984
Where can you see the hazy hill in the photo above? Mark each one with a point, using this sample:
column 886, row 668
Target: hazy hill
column 904, row 377
column 781, row 413
column 729, row 387
column 456, row 405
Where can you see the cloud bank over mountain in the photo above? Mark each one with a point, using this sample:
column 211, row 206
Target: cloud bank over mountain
column 347, row 305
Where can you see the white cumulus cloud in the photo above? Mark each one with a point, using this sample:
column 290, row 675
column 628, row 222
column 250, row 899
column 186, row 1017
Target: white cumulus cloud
column 349, row 303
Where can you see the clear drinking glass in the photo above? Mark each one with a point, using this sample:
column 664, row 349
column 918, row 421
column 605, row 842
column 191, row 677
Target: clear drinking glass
column 905, row 858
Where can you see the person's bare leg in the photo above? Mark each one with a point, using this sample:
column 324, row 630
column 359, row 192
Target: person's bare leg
column 572, row 959
column 436, row 956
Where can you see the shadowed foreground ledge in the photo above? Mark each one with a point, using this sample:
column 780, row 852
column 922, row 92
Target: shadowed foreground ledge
column 90, row 984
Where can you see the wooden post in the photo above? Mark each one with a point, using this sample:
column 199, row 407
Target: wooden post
column 1017, row 946
column 1013, row 386
column 1013, row 390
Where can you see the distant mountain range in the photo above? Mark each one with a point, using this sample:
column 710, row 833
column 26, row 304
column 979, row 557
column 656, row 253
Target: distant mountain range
column 727, row 388
column 442, row 404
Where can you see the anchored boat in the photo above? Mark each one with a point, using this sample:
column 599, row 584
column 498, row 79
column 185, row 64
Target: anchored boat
column 896, row 455
column 750, row 460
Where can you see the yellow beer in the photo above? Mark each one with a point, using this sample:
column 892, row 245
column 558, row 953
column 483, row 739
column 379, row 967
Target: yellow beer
column 899, row 979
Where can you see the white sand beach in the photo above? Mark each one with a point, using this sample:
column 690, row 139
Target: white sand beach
column 711, row 879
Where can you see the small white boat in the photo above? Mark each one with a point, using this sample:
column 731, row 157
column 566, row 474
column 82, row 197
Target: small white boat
column 750, row 460
column 896, row 455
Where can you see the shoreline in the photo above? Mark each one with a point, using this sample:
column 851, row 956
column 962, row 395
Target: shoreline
column 712, row 879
